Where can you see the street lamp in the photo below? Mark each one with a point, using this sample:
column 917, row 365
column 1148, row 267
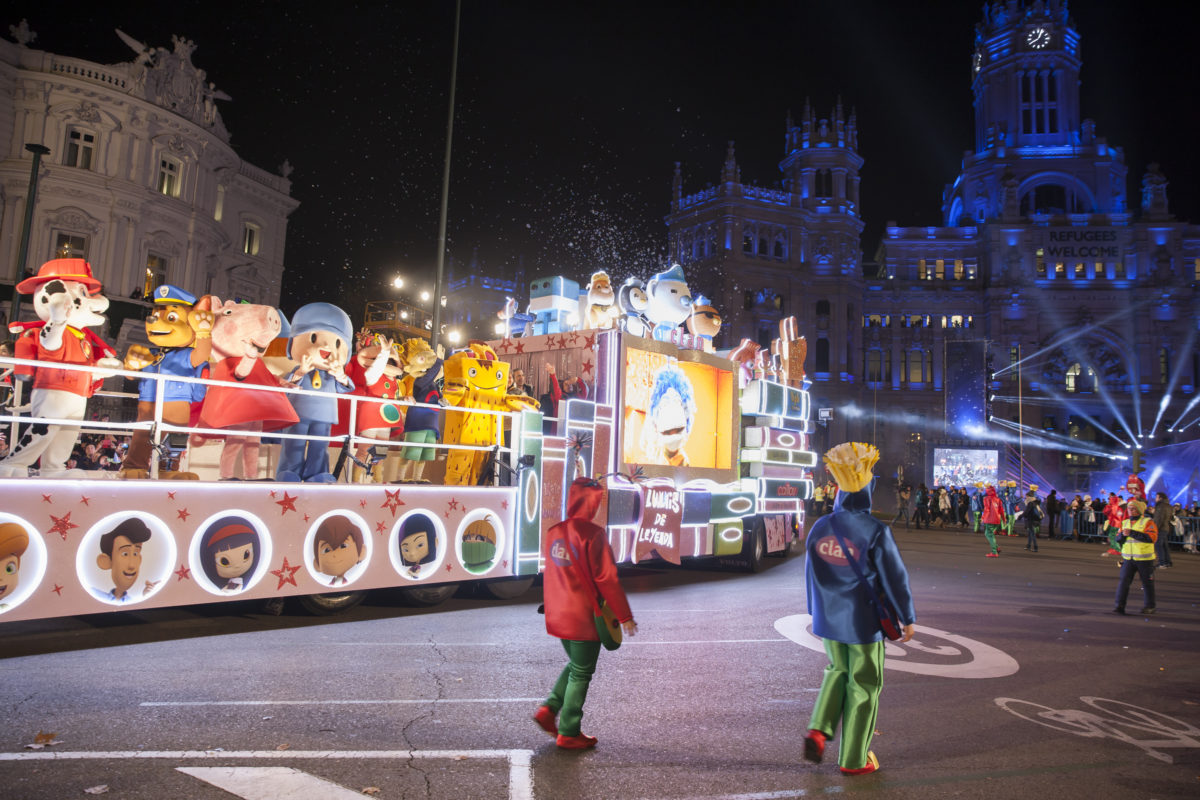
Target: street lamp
column 38, row 150
column 398, row 282
column 424, row 297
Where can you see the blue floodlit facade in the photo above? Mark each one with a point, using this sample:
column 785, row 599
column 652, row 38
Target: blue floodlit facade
column 1083, row 299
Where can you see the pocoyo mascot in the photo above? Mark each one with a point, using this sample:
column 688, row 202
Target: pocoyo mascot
column 180, row 332
column 320, row 344
column 633, row 302
column 241, row 334
column 704, row 322
column 602, row 310
column 669, row 301
column 377, row 370
column 66, row 297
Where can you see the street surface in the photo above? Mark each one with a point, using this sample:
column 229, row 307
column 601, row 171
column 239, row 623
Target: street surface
column 1019, row 684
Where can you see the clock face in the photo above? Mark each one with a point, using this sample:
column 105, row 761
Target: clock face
column 1037, row 38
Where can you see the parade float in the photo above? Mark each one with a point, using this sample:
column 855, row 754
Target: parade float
column 704, row 455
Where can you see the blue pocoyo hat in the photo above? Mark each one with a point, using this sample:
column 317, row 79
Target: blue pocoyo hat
column 321, row 317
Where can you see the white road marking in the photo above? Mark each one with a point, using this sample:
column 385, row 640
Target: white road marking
column 175, row 703
column 520, row 769
column 270, row 783
column 986, row 661
column 705, row 641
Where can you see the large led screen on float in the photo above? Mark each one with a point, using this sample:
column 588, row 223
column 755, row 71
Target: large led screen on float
column 959, row 466
column 679, row 412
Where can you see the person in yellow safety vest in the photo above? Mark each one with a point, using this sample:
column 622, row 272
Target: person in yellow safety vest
column 818, row 499
column 1137, row 537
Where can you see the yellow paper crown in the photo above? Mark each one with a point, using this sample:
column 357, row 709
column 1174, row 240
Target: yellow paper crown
column 851, row 463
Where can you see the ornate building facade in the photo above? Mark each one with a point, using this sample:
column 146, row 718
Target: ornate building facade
column 140, row 179
column 1065, row 314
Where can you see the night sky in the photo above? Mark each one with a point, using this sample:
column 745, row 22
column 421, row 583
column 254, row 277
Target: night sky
column 569, row 121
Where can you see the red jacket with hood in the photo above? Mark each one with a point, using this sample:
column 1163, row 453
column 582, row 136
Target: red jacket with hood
column 993, row 509
column 570, row 596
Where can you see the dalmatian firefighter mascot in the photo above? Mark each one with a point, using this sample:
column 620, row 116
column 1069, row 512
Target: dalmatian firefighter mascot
column 68, row 301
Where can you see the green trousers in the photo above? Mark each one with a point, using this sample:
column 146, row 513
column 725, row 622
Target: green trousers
column 571, row 688
column 850, row 694
column 989, row 532
column 1112, row 532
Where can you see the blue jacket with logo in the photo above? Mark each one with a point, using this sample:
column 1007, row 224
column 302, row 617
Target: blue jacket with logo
column 840, row 607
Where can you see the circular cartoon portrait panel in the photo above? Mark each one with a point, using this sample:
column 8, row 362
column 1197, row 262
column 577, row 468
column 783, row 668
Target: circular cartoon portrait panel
column 480, row 541
column 337, row 548
column 22, row 561
column 125, row 558
column 230, row 552
column 417, row 545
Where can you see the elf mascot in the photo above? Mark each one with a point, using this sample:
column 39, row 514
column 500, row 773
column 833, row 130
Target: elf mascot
column 68, row 301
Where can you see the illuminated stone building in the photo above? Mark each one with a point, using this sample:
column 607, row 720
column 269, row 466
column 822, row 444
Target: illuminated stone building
column 140, row 179
column 1044, row 299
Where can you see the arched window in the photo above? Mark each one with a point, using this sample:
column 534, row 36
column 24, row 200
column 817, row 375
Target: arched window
column 821, row 359
column 1050, row 198
column 748, row 241
column 1080, row 380
column 780, row 249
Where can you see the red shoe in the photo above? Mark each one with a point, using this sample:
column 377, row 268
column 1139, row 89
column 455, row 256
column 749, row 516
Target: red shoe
column 814, row 746
column 580, row 742
column 992, row 555
column 872, row 765
column 546, row 720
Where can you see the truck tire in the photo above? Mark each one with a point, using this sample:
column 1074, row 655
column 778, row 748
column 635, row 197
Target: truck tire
column 429, row 596
column 754, row 547
column 322, row 605
column 508, row 588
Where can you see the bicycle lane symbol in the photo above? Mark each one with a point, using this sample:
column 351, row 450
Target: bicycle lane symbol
column 1118, row 715
column 930, row 652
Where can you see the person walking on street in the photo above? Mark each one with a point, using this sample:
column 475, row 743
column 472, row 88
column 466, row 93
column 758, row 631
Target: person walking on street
column 1052, row 512
column 1114, row 515
column 1136, row 539
column 579, row 566
column 1033, row 520
column 922, row 513
column 849, row 626
column 903, row 495
column 994, row 519
column 977, row 505
column 1164, row 516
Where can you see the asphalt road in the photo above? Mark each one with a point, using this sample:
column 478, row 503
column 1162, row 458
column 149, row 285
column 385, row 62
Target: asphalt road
column 1020, row 684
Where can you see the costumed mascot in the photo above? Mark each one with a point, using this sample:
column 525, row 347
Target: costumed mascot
column 669, row 301
column 704, row 322
column 602, row 310
column 633, row 302
column 843, row 615
column 376, row 370
column 422, row 369
column 180, row 330
column 66, row 297
column 320, row 342
column 241, row 334
column 670, row 416
column 476, row 381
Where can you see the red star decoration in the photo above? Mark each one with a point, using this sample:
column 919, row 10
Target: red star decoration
column 520, row 347
column 504, row 504
column 551, row 342
column 288, row 503
column 286, row 573
column 453, row 504
column 362, row 503
column 171, row 495
column 446, row 515
column 448, row 568
column 62, row 525
column 46, row 499
column 586, row 369
column 589, row 342
column 380, row 527
column 392, row 501
column 84, row 499
column 183, row 573
column 57, row 589
column 505, row 345
column 273, row 494
column 306, row 517
column 504, row 563
column 183, row 514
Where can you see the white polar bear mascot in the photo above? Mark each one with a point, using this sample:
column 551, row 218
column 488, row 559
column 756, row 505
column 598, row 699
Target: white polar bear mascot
column 669, row 301
column 66, row 297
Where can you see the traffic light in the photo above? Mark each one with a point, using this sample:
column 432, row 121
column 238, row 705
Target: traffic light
column 1137, row 461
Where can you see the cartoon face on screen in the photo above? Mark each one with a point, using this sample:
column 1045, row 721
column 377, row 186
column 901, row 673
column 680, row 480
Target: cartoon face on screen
column 418, row 543
column 14, row 541
column 230, row 550
column 669, row 420
column 338, row 546
column 479, row 544
column 121, row 556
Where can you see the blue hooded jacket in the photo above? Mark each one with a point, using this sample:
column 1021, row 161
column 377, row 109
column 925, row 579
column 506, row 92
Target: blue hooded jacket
column 839, row 607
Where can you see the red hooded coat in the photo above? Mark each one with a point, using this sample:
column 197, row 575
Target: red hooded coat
column 570, row 596
column 993, row 509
